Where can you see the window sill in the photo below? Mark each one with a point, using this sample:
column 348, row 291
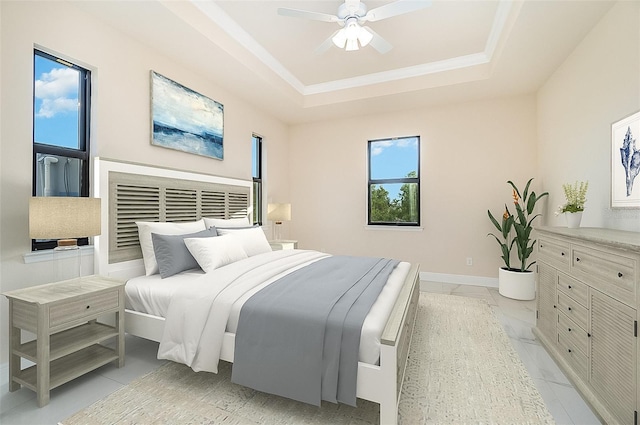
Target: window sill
column 394, row 228
column 51, row 255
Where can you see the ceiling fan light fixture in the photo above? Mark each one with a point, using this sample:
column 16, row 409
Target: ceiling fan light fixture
column 364, row 37
column 352, row 44
column 340, row 39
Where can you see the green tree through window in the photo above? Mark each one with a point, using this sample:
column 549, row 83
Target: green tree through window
column 394, row 183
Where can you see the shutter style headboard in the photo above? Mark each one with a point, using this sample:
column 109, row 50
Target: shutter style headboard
column 134, row 192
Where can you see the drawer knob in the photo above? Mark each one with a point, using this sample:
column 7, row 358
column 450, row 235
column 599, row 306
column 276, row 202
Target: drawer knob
column 569, row 350
column 569, row 308
column 569, row 329
column 588, row 335
column 88, row 307
column 569, row 286
column 620, row 274
column 562, row 253
column 578, row 259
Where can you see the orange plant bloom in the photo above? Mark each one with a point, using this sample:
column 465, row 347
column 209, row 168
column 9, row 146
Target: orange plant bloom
column 516, row 198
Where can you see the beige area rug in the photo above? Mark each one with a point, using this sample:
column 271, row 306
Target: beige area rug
column 462, row 369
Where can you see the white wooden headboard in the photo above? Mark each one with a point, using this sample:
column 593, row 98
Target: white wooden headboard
column 135, row 192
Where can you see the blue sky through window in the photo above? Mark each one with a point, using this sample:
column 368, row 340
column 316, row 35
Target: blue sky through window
column 56, row 116
column 394, row 158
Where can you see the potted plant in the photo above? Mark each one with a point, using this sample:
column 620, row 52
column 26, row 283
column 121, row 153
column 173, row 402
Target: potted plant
column 576, row 196
column 517, row 282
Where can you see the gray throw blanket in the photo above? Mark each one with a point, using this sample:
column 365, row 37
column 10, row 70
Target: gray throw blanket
column 300, row 336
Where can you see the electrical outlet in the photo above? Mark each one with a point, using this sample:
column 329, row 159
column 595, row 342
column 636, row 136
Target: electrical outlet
column 469, row 261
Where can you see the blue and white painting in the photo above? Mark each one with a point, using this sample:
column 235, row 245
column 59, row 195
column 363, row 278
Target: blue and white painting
column 625, row 190
column 185, row 120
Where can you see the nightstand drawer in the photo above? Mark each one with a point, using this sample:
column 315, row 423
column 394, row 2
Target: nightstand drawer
column 88, row 305
column 574, row 288
column 572, row 309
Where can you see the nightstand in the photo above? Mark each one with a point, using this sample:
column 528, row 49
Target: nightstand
column 63, row 316
column 283, row 244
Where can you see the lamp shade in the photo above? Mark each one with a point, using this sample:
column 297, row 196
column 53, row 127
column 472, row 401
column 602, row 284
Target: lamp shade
column 53, row 217
column 279, row 212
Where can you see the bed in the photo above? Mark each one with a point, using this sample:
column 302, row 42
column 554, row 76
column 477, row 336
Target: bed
column 135, row 192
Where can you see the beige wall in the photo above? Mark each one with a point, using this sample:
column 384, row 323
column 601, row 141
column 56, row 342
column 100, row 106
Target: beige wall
column 598, row 84
column 468, row 152
column 121, row 119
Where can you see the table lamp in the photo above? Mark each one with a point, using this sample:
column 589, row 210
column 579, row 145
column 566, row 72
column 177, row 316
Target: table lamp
column 64, row 218
column 278, row 213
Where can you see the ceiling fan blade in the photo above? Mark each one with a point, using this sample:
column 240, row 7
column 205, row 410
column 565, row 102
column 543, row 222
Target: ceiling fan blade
column 377, row 42
column 326, row 45
column 315, row 16
column 394, row 9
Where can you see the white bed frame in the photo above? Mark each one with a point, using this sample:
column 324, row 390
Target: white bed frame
column 380, row 384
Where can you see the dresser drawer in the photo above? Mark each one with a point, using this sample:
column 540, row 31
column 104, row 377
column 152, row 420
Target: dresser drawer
column 79, row 308
column 554, row 250
column 574, row 334
column 578, row 361
column 572, row 309
column 574, row 288
column 615, row 271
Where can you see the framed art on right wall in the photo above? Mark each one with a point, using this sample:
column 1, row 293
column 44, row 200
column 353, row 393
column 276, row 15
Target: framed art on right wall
column 625, row 162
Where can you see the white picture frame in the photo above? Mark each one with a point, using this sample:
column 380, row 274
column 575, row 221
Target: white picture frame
column 625, row 162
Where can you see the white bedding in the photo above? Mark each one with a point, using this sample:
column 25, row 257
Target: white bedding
column 193, row 289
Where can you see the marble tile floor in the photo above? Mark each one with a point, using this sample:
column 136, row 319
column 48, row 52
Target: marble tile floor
column 517, row 317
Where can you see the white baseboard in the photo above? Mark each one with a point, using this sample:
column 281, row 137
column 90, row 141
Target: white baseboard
column 490, row 282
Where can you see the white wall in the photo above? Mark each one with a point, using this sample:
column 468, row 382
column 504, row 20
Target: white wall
column 120, row 124
column 468, row 152
column 598, row 84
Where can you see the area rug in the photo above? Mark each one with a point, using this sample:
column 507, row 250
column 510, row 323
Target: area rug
column 462, row 369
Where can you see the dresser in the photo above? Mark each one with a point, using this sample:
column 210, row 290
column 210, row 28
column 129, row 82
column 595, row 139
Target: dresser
column 587, row 312
column 69, row 341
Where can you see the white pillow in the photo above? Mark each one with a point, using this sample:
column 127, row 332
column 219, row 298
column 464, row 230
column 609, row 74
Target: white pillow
column 145, row 228
column 230, row 222
column 212, row 253
column 253, row 240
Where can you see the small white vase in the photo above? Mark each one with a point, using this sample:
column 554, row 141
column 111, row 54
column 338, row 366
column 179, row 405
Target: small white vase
column 516, row 284
column 573, row 219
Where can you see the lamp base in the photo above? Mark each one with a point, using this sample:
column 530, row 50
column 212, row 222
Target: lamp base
column 64, row 244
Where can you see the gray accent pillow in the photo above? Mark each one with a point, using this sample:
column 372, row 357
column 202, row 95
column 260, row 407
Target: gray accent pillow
column 172, row 254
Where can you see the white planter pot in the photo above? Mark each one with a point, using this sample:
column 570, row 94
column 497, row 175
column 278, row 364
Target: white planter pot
column 517, row 285
column 573, row 219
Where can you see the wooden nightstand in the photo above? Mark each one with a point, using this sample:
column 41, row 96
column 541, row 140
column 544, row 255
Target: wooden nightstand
column 63, row 316
column 283, row 244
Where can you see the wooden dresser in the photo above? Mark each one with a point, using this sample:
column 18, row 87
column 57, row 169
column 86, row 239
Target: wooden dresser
column 588, row 308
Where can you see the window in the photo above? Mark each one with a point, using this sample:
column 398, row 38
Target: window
column 394, row 182
column 257, row 178
column 61, row 113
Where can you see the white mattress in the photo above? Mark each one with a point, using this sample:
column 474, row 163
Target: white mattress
column 152, row 295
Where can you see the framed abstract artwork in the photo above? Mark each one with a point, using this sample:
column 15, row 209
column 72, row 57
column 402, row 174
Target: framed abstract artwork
column 185, row 120
column 625, row 162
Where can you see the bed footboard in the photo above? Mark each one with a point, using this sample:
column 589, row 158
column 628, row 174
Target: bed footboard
column 396, row 339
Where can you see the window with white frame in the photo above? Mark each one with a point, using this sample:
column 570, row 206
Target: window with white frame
column 394, row 182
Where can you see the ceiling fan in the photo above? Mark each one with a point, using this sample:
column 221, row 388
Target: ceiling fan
column 351, row 15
